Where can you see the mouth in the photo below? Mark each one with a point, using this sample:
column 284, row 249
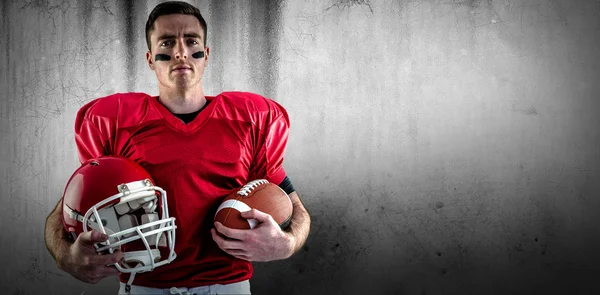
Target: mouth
column 181, row 69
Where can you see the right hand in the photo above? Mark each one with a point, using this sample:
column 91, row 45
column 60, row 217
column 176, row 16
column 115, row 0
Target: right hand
column 85, row 264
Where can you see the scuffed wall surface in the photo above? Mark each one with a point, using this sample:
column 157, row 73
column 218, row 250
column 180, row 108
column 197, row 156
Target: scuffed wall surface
column 442, row 147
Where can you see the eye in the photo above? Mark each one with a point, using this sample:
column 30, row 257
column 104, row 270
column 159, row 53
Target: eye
column 166, row 43
column 193, row 42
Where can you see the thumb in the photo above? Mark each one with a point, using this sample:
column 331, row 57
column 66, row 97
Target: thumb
column 256, row 214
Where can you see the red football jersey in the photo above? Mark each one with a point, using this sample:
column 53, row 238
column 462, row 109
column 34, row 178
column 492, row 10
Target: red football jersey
column 236, row 138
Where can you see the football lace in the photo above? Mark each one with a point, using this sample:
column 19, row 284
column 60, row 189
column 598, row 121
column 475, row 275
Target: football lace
column 246, row 189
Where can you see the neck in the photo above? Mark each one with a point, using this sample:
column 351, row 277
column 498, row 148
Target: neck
column 182, row 101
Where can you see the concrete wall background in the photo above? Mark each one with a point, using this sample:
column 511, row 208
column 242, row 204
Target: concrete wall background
column 441, row 146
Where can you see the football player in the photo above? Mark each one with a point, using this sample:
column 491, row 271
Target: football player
column 197, row 148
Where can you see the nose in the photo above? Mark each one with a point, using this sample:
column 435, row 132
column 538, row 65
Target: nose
column 180, row 51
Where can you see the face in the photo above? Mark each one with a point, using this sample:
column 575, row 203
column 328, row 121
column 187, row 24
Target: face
column 175, row 52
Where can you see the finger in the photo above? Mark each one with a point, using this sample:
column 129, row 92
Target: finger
column 106, row 259
column 231, row 233
column 95, row 275
column 241, row 254
column 97, row 236
column 243, row 257
column 216, row 237
column 232, row 245
column 256, row 214
column 237, row 252
column 107, row 271
column 224, row 243
column 91, row 237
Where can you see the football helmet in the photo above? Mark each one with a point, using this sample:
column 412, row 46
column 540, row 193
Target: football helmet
column 117, row 197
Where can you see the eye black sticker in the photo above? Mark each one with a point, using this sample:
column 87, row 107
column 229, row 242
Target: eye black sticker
column 199, row 54
column 164, row 57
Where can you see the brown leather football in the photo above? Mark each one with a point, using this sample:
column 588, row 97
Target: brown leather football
column 258, row 194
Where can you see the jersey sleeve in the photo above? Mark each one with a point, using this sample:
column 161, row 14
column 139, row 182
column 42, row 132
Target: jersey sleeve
column 90, row 139
column 272, row 143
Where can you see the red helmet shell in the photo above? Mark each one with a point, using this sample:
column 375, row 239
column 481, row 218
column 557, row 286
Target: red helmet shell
column 96, row 180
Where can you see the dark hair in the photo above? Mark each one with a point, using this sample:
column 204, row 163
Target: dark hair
column 173, row 7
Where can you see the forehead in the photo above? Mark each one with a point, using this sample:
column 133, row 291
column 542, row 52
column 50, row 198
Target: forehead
column 176, row 24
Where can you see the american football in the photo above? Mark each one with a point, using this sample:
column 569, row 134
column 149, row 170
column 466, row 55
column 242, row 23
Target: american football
column 258, row 194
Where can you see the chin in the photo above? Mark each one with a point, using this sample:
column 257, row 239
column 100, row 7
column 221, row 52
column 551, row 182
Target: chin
column 182, row 83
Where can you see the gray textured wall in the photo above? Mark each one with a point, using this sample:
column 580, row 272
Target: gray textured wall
column 442, row 146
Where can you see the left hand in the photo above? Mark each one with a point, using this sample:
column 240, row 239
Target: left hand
column 265, row 242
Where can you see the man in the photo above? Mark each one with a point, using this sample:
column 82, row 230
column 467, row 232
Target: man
column 197, row 148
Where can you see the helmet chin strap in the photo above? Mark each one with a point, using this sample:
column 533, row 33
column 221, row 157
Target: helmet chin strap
column 129, row 282
column 141, row 257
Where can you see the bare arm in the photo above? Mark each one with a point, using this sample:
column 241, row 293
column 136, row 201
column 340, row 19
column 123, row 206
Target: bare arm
column 300, row 224
column 78, row 258
column 57, row 239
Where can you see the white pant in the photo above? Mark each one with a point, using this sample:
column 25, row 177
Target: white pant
column 242, row 287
